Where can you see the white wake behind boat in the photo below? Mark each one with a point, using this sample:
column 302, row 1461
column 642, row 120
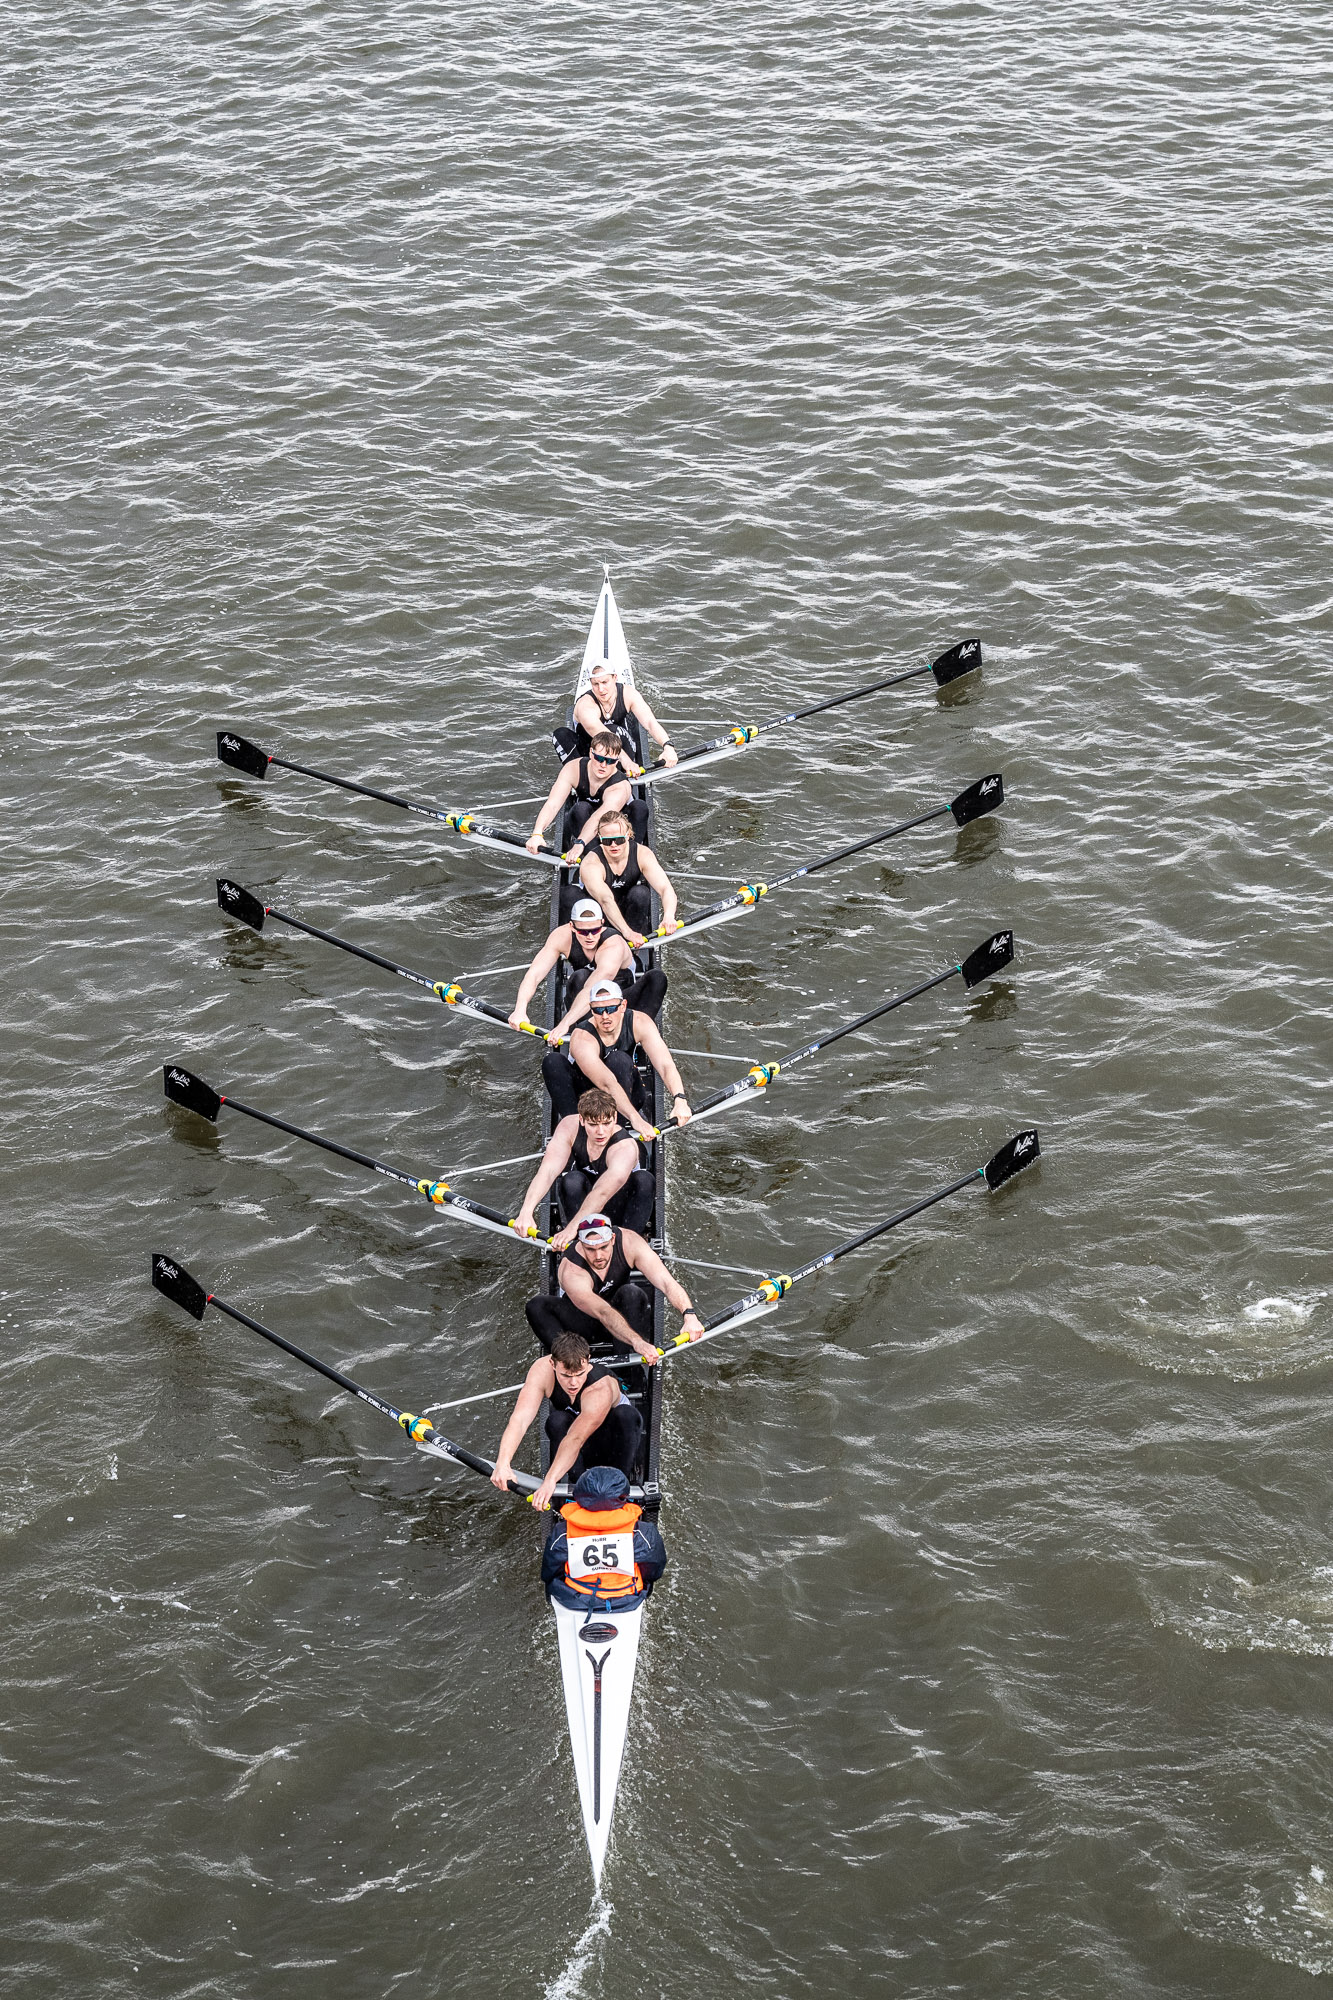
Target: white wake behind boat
column 598, row 1655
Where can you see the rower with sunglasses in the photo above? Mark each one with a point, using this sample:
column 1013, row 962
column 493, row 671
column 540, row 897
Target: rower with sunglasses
column 591, row 949
column 602, row 1056
column 592, row 1163
column 606, row 1288
column 620, row 873
column 593, row 785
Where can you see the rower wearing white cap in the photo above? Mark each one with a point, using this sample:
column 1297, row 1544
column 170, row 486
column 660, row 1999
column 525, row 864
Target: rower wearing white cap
column 591, row 949
column 607, row 1283
column 602, row 1052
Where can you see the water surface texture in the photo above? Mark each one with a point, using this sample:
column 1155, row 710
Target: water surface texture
column 343, row 348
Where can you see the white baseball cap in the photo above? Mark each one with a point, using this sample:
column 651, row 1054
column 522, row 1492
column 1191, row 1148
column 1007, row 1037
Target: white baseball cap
column 587, row 913
column 596, row 1229
column 606, row 989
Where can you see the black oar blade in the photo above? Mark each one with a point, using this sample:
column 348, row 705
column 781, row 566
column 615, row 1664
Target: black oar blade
column 239, row 903
column 988, row 958
column 983, row 797
column 242, row 756
column 964, row 658
column 1020, row 1152
column 183, row 1087
column 177, row 1285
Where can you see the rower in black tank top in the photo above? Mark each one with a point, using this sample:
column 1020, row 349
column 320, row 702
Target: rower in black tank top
column 629, row 876
column 560, row 1401
column 580, row 1157
column 584, row 791
column 618, row 1271
column 620, row 723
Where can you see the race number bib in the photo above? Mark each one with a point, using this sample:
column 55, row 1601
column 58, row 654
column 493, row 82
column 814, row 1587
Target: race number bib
column 591, row 1556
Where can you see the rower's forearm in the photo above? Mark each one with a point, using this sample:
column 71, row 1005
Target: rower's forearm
column 571, row 1444
column 541, row 1184
column 618, row 1327
column 514, row 1433
column 671, row 1077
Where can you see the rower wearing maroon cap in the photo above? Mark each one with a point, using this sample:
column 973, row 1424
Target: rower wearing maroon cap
column 606, row 1290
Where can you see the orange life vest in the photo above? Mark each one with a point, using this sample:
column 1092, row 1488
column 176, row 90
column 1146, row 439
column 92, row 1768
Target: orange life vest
column 596, row 1550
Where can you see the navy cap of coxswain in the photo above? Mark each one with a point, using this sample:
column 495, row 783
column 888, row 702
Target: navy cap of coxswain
column 601, row 1487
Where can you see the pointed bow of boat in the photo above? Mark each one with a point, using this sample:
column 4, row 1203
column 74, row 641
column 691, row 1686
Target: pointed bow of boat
column 606, row 641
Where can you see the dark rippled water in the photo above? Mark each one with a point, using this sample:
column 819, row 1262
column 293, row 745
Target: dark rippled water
column 342, row 350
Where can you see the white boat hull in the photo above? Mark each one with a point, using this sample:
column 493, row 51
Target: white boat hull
column 598, row 1656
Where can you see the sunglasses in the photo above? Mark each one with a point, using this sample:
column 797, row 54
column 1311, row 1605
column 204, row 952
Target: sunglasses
column 598, row 758
column 588, row 930
column 615, row 840
column 611, row 1007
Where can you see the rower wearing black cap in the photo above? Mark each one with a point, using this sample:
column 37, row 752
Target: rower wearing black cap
column 592, row 1162
column 606, row 1290
column 603, row 1055
column 591, row 949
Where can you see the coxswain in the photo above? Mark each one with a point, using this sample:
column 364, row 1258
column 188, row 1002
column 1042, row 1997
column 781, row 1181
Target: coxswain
column 601, row 1548
column 594, row 785
column 602, row 1056
column 605, row 705
column 591, row 1420
column 591, row 949
column 606, row 1284
column 620, row 874
column 592, row 1162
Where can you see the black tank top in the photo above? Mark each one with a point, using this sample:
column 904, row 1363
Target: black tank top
column 583, row 788
column 630, row 874
column 578, row 961
column 620, row 723
column 560, row 1401
column 617, row 1271
column 579, row 1156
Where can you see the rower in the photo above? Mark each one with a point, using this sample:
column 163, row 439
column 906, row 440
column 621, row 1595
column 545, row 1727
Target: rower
column 591, row 1420
column 606, row 1290
column 620, row 874
column 605, row 705
column 595, row 784
column 602, row 1055
column 591, row 949
column 582, row 1561
column 593, row 1164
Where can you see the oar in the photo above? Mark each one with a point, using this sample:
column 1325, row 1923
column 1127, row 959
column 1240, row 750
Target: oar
column 183, row 1087
column 964, row 658
column 988, row 959
column 242, row 755
column 245, row 906
column 982, row 797
column 175, row 1283
column 1017, row 1153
